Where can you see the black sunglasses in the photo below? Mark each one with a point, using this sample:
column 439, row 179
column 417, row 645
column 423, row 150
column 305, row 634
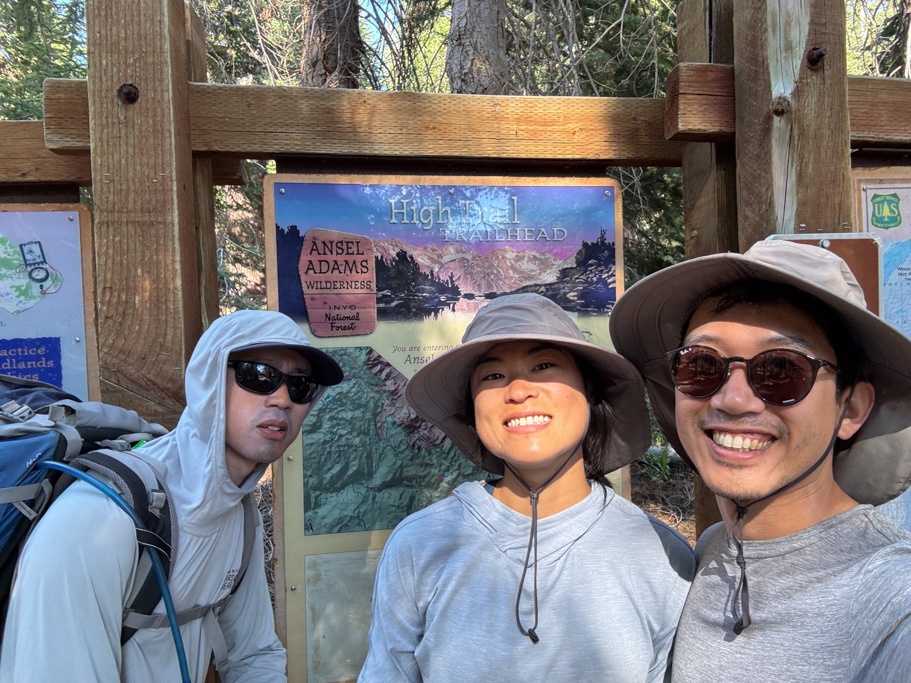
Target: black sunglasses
column 780, row 377
column 260, row 378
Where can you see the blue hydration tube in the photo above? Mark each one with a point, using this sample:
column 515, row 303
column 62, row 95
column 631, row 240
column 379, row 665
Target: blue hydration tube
column 156, row 561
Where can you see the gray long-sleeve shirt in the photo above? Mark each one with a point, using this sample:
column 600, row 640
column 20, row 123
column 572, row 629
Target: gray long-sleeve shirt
column 831, row 603
column 611, row 584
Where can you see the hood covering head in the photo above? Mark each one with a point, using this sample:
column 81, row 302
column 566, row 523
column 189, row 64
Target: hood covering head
column 194, row 451
column 872, row 467
column 438, row 391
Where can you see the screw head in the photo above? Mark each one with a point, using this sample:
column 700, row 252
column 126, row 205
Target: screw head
column 128, row 93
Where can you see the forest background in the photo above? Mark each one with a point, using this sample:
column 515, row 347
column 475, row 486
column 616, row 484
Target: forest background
column 595, row 48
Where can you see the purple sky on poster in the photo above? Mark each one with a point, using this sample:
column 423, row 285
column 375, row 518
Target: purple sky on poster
column 547, row 219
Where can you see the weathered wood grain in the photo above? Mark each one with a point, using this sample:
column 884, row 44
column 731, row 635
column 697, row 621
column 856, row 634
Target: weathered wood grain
column 793, row 151
column 709, row 170
column 203, row 189
column 261, row 122
column 700, row 103
column 877, row 107
column 145, row 241
column 25, row 159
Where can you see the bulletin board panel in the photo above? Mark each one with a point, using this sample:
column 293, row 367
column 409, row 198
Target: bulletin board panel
column 47, row 296
column 863, row 254
column 384, row 273
column 883, row 205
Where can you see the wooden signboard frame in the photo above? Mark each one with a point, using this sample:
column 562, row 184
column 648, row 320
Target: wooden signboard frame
column 301, row 557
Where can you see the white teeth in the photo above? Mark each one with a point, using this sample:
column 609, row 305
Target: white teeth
column 532, row 420
column 274, row 429
column 739, row 443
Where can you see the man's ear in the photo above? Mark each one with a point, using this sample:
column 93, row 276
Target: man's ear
column 858, row 411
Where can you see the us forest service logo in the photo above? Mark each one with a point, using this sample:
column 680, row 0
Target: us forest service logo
column 886, row 211
column 338, row 276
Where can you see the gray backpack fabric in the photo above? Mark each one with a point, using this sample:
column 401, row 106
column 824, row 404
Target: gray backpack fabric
column 98, row 438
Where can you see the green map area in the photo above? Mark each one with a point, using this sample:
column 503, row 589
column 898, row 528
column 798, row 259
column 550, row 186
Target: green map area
column 369, row 460
column 17, row 292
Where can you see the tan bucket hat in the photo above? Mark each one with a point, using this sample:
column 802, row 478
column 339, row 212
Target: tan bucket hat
column 437, row 392
column 647, row 322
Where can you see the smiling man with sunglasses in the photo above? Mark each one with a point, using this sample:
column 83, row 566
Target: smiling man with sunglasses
column 770, row 377
column 252, row 379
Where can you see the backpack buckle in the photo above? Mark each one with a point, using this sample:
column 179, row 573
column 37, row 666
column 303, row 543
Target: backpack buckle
column 17, row 412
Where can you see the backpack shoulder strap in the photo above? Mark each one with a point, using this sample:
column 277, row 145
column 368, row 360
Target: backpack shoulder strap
column 143, row 486
column 208, row 613
column 249, row 539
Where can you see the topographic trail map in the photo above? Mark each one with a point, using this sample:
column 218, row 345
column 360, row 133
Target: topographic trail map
column 897, row 283
column 19, row 291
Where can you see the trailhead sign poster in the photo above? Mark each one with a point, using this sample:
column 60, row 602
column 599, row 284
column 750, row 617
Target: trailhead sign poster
column 385, row 273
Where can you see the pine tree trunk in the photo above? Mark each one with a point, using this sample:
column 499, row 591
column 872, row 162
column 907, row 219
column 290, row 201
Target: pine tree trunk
column 476, row 59
column 332, row 47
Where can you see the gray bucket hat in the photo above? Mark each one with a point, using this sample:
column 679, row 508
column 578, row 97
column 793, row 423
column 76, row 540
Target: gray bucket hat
column 647, row 322
column 438, row 391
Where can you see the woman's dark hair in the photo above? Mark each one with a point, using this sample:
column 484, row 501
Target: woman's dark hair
column 600, row 425
column 848, row 353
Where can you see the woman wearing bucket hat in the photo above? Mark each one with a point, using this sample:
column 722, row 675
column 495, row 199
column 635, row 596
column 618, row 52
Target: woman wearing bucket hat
column 499, row 582
column 771, row 378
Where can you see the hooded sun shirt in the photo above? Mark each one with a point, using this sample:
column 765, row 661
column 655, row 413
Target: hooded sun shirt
column 611, row 583
column 66, row 607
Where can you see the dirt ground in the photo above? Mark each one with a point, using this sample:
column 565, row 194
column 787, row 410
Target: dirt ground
column 670, row 498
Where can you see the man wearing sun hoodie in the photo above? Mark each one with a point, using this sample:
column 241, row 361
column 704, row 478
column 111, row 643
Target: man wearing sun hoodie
column 252, row 379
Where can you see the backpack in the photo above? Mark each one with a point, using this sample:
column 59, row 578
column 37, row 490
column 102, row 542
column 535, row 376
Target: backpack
column 43, row 428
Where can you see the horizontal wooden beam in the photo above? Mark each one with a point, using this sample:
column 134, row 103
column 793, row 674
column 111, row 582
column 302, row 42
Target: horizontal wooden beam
column 262, row 122
column 700, row 107
column 25, row 159
column 879, row 108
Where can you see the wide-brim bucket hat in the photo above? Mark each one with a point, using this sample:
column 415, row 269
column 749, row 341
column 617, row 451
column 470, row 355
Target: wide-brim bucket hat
column 872, row 467
column 439, row 390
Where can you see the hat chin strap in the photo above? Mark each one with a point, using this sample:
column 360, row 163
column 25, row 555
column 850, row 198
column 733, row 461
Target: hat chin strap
column 742, row 620
column 533, row 541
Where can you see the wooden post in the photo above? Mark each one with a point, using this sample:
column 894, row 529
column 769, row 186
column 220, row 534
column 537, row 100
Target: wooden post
column 792, row 129
column 203, row 188
column 705, row 34
column 145, row 241
column 709, row 176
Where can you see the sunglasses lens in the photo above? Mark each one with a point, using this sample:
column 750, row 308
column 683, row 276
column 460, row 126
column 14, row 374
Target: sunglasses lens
column 260, row 378
column 697, row 371
column 257, row 377
column 781, row 377
column 301, row 389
